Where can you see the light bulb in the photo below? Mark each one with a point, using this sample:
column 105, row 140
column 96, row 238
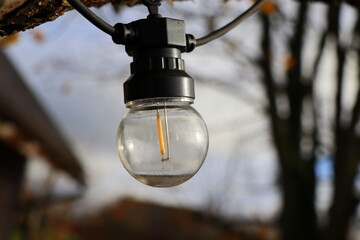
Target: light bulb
column 162, row 142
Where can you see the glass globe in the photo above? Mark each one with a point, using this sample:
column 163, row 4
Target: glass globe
column 162, row 142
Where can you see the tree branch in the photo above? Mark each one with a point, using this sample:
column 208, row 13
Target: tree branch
column 347, row 152
column 356, row 108
column 296, row 88
column 314, row 100
column 35, row 12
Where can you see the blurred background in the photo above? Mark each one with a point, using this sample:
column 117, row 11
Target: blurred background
column 281, row 98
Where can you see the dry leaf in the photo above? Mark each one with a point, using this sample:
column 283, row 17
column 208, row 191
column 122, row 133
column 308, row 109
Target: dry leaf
column 268, row 8
column 9, row 40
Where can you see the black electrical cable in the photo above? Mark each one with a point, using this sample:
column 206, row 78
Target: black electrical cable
column 92, row 17
column 107, row 28
column 221, row 31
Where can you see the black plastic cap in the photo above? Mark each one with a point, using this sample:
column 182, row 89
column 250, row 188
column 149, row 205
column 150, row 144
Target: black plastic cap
column 190, row 43
column 157, row 32
column 123, row 34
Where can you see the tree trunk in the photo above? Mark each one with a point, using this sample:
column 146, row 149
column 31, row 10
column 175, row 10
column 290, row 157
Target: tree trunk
column 298, row 220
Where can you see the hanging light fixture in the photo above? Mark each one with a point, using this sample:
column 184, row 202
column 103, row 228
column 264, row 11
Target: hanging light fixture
column 162, row 141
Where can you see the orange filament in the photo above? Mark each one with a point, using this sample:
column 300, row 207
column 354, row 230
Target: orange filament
column 160, row 135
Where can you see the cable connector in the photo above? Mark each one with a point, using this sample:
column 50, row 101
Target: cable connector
column 153, row 7
column 190, row 43
column 123, row 34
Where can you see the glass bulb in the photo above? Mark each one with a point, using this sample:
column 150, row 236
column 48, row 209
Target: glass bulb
column 162, row 142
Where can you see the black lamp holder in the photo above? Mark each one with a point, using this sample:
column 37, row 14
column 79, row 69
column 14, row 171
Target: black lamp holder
column 156, row 44
column 157, row 70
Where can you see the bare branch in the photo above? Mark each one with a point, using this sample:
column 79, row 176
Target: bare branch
column 296, row 88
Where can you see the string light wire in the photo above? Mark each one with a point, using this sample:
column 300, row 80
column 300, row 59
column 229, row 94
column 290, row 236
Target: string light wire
column 107, row 28
column 222, row 31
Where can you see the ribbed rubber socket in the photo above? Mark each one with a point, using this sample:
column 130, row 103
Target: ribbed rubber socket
column 158, row 73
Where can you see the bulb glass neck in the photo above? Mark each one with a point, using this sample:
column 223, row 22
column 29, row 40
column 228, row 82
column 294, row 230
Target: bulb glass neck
column 155, row 103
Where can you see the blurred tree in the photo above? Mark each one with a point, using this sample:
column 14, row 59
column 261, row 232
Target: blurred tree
column 308, row 122
column 299, row 136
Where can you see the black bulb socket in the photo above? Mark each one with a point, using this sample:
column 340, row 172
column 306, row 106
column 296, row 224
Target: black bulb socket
column 158, row 73
column 157, row 70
